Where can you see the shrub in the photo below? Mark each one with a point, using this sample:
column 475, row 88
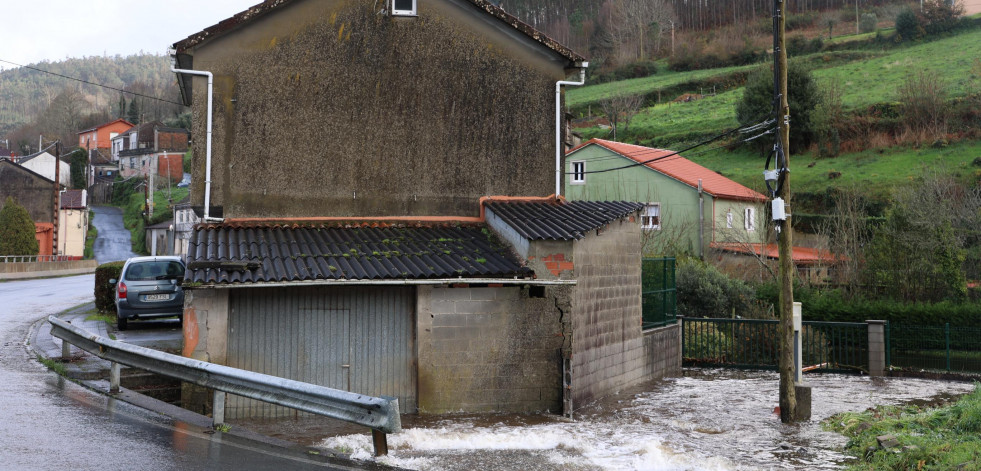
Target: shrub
column 16, row 230
column 868, row 22
column 908, row 25
column 105, row 298
column 704, row 291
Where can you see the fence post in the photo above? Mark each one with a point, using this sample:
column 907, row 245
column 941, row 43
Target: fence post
column 947, row 343
column 681, row 331
column 380, row 440
column 877, row 347
column 114, row 378
column 218, row 409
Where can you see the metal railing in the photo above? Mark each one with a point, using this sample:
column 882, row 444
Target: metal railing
column 750, row 343
column 380, row 414
column 938, row 348
column 37, row 258
column 659, row 298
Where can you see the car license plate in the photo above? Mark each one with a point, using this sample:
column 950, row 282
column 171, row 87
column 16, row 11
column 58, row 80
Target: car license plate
column 157, row 297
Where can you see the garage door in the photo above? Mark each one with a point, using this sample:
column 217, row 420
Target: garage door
column 358, row 339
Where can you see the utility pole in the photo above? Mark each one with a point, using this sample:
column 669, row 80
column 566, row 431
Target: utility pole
column 788, row 392
column 57, row 199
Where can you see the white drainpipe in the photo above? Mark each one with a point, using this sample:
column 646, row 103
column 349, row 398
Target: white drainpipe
column 207, row 176
column 558, row 124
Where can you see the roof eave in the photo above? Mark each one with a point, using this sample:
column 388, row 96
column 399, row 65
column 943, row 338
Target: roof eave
column 388, row 282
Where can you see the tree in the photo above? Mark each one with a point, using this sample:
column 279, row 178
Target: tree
column 923, row 106
column 64, row 115
column 757, row 102
column 78, row 167
column 16, row 230
column 908, row 25
column 133, row 115
column 621, row 110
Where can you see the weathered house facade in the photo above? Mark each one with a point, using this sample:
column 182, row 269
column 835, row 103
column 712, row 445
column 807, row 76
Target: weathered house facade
column 151, row 148
column 73, row 223
column 384, row 220
column 46, row 165
column 100, row 136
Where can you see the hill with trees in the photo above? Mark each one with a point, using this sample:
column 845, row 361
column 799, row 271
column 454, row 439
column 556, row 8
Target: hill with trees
column 36, row 103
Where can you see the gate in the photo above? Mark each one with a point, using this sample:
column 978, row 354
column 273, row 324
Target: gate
column 659, row 296
column 750, row 343
column 354, row 339
column 100, row 193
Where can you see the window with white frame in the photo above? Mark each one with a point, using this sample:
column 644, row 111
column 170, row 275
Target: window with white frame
column 729, row 219
column 651, row 218
column 404, row 7
column 750, row 221
column 579, row 172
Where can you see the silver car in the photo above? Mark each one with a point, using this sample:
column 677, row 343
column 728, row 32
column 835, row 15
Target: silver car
column 149, row 287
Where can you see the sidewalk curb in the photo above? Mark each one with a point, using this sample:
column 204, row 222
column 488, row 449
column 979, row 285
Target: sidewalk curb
column 92, row 372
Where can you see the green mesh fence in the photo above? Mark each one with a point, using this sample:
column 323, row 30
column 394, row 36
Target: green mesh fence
column 935, row 348
column 659, row 296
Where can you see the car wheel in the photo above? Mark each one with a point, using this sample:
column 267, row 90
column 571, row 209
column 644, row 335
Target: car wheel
column 121, row 323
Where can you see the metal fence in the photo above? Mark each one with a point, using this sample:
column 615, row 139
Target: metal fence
column 937, row 348
column 659, row 295
column 749, row 343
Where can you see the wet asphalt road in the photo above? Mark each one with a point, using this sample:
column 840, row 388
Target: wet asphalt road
column 49, row 423
column 114, row 241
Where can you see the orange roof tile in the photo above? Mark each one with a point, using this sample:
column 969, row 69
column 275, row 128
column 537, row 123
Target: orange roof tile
column 801, row 255
column 681, row 169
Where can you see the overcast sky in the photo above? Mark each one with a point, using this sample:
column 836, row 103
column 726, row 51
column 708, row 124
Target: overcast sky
column 36, row 30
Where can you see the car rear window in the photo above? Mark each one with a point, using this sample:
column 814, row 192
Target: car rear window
column 159, row 270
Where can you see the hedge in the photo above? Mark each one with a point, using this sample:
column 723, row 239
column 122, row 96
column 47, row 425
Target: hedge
column 105, row 297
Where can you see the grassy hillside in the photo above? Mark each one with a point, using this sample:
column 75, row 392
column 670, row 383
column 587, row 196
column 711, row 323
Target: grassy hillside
column 869, row 78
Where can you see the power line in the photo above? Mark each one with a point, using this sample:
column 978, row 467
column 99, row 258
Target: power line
column 92, row 83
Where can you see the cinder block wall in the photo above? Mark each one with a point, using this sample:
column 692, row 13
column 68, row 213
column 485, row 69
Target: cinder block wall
column 662, row 349
column 488, row 349
column 205, row 338
column 607, row 342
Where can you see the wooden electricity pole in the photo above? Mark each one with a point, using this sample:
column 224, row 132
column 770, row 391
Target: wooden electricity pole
column 788, row 395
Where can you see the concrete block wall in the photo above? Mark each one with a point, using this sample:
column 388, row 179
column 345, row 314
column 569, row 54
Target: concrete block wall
column 608, row 349
column 488, row 349
column 662, row 349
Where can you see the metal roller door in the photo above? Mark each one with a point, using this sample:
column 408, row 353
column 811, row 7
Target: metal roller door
column 358, row 339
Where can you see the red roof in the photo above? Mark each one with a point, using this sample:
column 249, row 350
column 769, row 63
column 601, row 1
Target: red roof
column 105, row 124
column 681, row 169
column 801, row 255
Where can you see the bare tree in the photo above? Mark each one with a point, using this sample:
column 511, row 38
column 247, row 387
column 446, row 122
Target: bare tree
column 848, row 234
column 639, row 22
column 923, row 103
column 64, row 115
column 621, row 110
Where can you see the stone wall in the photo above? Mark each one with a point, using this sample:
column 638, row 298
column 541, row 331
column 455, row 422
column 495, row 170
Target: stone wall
column 488, row 349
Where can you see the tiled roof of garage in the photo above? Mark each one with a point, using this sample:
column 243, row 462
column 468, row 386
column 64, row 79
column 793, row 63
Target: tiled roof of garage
column 563, row 220
column 225, row 254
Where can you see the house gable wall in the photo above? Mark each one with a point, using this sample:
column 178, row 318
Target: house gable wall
column 327, row 108
column 679, row 202
column 30, row 190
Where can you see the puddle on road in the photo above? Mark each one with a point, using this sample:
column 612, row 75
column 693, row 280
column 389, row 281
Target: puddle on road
column 710, row 419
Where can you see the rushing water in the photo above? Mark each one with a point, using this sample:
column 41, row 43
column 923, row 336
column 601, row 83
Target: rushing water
column 707, row 420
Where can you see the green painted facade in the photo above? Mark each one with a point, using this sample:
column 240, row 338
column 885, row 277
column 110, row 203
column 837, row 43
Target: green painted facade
column 678, row 203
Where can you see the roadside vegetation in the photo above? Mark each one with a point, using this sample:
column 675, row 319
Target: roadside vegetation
column 914, row 437
column 130, row 196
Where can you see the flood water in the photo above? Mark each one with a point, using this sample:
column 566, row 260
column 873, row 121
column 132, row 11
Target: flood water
column 710, row 419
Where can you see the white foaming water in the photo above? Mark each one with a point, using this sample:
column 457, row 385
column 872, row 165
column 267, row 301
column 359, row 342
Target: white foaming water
column 709, row 420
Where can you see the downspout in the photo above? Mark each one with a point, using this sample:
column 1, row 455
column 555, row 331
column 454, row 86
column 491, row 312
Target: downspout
column 558, row 124
column 701, row 221
column 207, row 175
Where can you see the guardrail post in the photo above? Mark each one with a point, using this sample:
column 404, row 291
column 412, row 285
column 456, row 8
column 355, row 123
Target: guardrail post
column 114, row 378
column 877, row 348
column 218, row 409
column 380, row 440
column 66, row 349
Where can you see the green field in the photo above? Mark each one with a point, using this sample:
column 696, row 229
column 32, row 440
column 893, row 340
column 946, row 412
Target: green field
column 872, row 80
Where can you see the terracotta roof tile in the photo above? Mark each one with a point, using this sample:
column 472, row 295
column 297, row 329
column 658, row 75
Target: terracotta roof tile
column 681, row 169
column 801, row 255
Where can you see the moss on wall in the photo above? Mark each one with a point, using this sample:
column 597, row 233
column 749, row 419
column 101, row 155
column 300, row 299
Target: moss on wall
column 355, row 113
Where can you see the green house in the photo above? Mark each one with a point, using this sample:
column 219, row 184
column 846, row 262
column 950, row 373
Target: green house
column 689, row 207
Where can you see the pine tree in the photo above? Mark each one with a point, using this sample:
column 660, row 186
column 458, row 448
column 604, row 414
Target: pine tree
column 16, row 230
column 133, row 115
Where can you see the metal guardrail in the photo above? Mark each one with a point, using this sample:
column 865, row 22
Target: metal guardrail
column 380, row 414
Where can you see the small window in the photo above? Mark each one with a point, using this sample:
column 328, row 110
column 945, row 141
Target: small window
column 750, row 219
column 404, row 7
column 651, row 219
column 579, row 172
column 729, row 219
